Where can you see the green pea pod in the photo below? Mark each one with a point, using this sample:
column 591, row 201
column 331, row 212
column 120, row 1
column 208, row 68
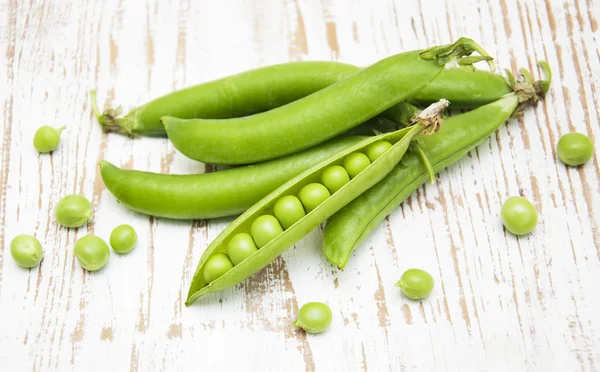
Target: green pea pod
column 346, row 229
column 317, row 117
column 362, row 181
column 269, row 87
column 210, row 195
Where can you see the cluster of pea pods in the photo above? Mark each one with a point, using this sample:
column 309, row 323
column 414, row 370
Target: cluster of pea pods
column 303, row 132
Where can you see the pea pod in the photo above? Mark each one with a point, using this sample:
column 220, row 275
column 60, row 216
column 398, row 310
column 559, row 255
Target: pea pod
column 209, row 195
column 346, row 229
column 317, row 117
column 269, row 87
column 278, row 240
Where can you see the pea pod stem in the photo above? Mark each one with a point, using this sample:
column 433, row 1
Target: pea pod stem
column 401, row 140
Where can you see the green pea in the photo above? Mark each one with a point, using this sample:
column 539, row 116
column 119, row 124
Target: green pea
column 26, row 250
column 575, row 148
column 334, row 178
column 416, row 284
column 73, row 211
column 376, row 149
column 123, row 239
column 240, row 247
column 519, row 215
column 217, row 265
column 288, row 210
column 312, row 195
column 264, row 229
column 314, row 317
column 46, row 138
column 91, row 252
column 356, row 163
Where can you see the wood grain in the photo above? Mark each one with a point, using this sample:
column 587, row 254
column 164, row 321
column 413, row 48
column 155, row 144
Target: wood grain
column 501, row 303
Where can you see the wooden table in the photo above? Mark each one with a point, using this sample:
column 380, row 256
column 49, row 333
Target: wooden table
column 500, row 304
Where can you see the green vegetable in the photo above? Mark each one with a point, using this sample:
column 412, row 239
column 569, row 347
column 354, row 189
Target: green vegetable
column 46, row 138
column 73, row 211
column 288, row 210
column 314, row 317
column 519, row 215
column 313, row 195
column 240, row 247
column 216, row 266
column 276, row 242
column 356, row 163
column 334, row 178
column 264, row 229
column 26, row 250
column 459, row 134
column 123, row 238
column 377, row 149
column 314, row 118
column 91, row 252
column 575, row 148
column 269, row 87
column 217, row 194
column 416, row 284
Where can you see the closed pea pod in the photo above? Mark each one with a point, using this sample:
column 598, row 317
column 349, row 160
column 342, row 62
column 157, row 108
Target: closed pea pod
column 278, row 243
column 273, row 86
column 317, row 117
column 217, row 194
column 347, row 228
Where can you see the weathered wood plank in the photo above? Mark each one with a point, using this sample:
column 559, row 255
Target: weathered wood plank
column 500, row 303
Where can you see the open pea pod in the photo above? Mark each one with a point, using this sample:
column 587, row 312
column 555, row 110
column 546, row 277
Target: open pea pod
column 368, row 177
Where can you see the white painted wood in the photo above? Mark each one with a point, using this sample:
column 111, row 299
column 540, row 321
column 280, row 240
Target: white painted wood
column 500, row 304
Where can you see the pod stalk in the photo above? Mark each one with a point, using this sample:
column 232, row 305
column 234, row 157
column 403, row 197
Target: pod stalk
column 459, row 51
column 109, row 120
column 431, row 117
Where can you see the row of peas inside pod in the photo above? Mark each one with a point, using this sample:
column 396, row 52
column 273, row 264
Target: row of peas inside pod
column 288, row 209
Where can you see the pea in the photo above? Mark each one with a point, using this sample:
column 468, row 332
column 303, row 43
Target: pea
column 217, row 265
column 519, row 215
column 46, row 138
column 240, row 247
column 73, row 211
column 334, row 178
column 416, row 284
column 123, row 239
column 376, row 149
column 26, row 250
column 314, row 317
column 312, row 195
column 91, row 252
column 575, row 148
column 288, row 209
column 356, row 163
column 264, row 229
